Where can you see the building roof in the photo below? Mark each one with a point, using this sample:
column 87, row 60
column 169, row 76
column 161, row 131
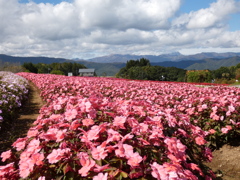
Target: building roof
column 86, row 70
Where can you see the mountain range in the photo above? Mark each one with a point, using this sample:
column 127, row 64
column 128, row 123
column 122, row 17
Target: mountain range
column 111, row 64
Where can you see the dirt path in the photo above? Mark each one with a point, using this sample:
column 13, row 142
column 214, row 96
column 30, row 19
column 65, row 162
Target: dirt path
column 28, row 115
column 226, row 162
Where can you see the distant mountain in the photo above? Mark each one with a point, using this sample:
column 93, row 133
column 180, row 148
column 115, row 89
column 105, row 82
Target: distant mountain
column 34, row 60
column 213, row 64
column 208, row 63
column 161, row 58
column 110, row 65
column 108, row 69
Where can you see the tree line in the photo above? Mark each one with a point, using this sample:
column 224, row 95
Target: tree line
column 54, row 68
column 142, row 70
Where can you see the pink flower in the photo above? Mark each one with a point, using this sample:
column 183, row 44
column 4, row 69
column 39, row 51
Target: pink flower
column 211, row 131
column 32, row 133
column 37, row 158
column 41, row 178
column 100, row 168
column 208, row 154
column 25, row 168
column 58, row 154
column 128, row 150
column 87, row 122
column 20, row 143
column 75, row 124
column 93, row 133
column 176, row 149
column 119, row 122
column 101, row 176
column 159, row 172
column 6, row 170
column 70, row 114
column 113, row 135
column 195, row 167
column 200, row 140
column 53, row 134
column 86, row 162
column 34, row 146
column 226, row 129
column 135, row 159
column 99, row 152
column 5, row 155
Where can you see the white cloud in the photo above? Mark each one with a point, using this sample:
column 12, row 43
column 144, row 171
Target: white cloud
column 215, row 15
column 84, row 29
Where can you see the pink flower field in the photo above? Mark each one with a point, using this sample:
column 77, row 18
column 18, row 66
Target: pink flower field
column 107, row 128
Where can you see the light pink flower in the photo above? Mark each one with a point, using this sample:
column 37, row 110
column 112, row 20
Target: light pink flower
column 34, row 146
column 101, row 176
column 70, row 114
column 25, row 168
column 226, row 129
column 5, row 155
column 119, row 122
column 113, row 135
column 93, row 133
column 58, row 154
column 99, row 152
column 32, row 133
column 86, row 163
column 20, row 143
column 41, row 178
column 159, row 172
column 135, row 159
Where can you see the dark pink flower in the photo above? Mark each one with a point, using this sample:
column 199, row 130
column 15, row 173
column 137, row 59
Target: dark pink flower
column 200, row 140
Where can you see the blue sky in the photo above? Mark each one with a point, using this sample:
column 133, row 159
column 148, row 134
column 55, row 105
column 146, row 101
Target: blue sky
column 83, row 29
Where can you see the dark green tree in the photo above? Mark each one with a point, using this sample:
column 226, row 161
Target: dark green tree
column 30, row 67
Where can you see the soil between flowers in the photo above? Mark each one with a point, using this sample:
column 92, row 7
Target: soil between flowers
column 27, row 115
column 225, row 163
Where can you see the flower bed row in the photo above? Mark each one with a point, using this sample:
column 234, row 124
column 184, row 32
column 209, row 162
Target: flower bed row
column 103, row 128
column 13, row 91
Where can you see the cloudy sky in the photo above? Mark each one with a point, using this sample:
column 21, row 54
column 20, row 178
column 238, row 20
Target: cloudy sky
column 85, row 29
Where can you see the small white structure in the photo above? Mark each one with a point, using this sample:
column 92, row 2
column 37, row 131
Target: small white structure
column 70, row 74
column 86, row 72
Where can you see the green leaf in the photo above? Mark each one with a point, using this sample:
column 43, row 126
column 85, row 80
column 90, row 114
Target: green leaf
column 124, row 174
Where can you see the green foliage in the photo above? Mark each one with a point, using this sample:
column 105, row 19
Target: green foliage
column 142, row 70
column 199, row 76
column 58, row 72
column 30, row 67
column 54, row 68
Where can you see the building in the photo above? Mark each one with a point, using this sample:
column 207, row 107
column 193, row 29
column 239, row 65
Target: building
column 87, row 72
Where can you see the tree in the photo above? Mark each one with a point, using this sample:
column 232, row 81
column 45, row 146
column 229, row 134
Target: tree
column 30, row 67
column 58, row 72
